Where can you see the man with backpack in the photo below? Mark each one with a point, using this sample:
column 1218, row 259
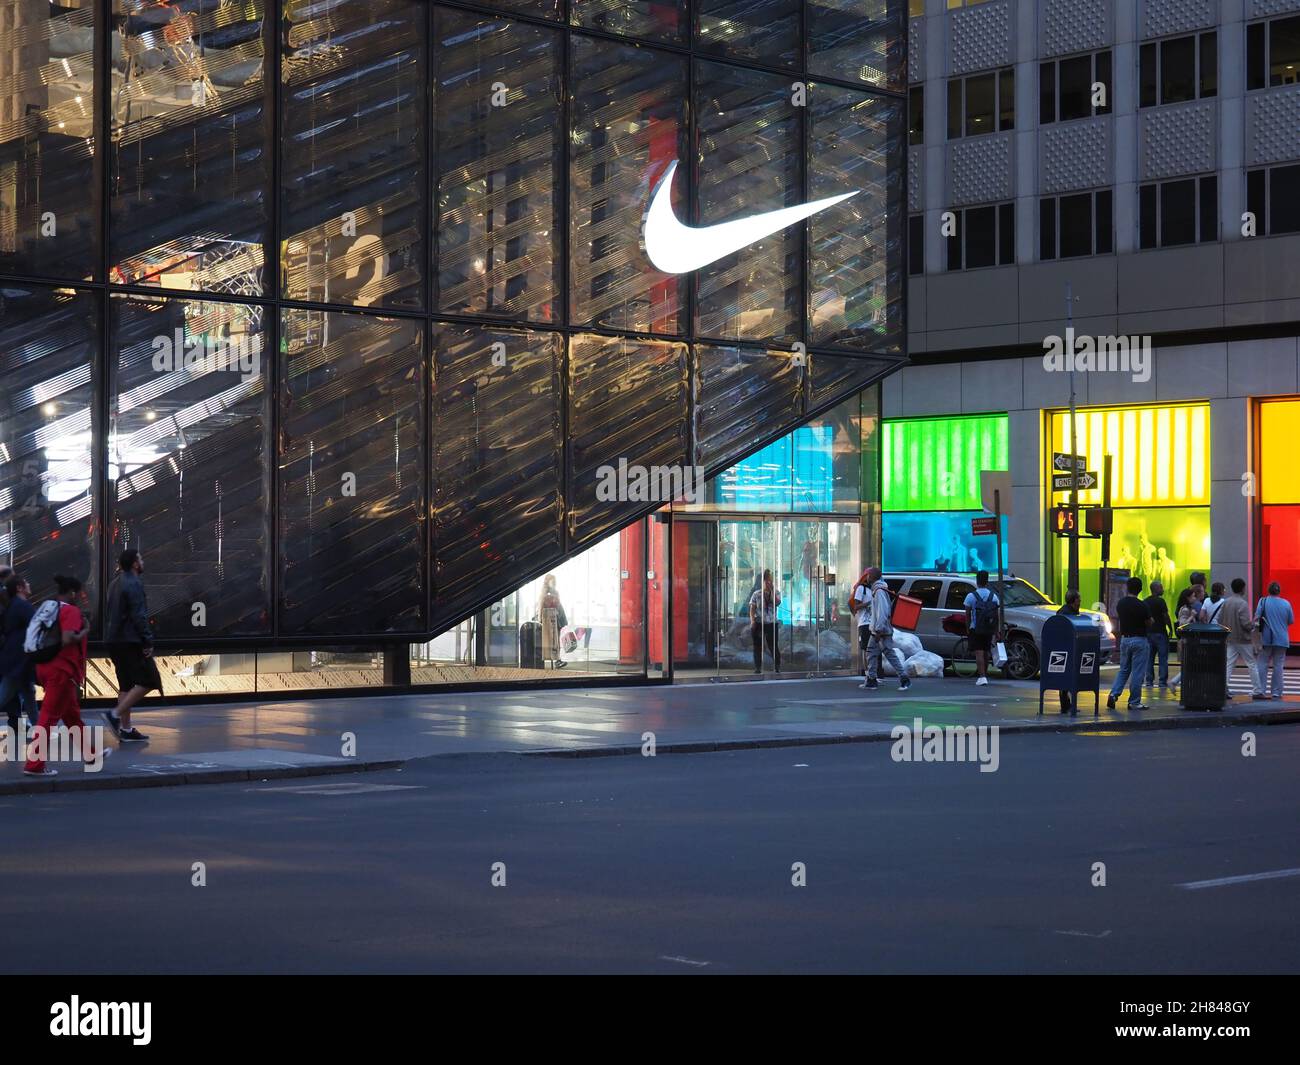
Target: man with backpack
column 130, row 639
column 881, row 639
column 982, row 623
column 17, row 677
column 56, row 640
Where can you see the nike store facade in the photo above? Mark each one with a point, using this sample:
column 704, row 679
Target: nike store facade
column 359, row 318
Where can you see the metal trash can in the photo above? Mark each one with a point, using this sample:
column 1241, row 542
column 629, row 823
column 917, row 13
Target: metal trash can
column 1204, row 667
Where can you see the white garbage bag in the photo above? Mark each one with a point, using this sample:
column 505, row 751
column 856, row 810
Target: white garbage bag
column 908, row 643
column 924, row 664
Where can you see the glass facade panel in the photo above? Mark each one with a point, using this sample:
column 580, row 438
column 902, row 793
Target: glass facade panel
column 189, row 460
column 49, row 480
column 749, row 131
column 656, row 20
column 739, row 393
column 629, row 123
column 858, row 40
column 49, row 202
column 497, row 457
column 351, row 492
column 352, row 209
column 1279, row 474
column 498, row 167
column 938, row 540
column 855, row 282
column 935, row 463
column 190, row 166
column 765, row 30
column 1279, row 553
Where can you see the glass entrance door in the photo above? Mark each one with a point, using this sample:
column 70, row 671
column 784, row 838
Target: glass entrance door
column 744, row 551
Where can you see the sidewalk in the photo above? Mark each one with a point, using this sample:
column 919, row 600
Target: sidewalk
column 231, row 742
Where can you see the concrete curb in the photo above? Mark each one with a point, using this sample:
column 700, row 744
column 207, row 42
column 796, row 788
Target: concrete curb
column 1085, row 722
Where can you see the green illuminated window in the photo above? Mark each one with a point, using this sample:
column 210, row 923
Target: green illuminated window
column 935, row 463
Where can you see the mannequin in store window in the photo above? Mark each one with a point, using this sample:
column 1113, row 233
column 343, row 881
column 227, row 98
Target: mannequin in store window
column 551, row 617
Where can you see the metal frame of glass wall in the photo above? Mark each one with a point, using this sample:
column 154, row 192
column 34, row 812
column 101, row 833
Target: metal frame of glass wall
column 272, row 267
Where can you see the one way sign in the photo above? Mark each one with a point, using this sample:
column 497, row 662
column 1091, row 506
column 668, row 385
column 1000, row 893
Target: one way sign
column 1062, row 482
column 1061, row 462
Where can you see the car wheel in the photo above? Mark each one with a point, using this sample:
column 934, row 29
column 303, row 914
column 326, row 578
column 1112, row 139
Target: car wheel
column 1022, row 659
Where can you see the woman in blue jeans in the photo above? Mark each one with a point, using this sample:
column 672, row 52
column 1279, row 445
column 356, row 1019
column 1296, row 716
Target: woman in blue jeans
column 1274, row 617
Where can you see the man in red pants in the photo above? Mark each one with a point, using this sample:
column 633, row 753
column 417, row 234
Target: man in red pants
column 61, row 678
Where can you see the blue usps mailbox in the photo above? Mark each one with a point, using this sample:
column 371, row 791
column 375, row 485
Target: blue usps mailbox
column 1071, row 659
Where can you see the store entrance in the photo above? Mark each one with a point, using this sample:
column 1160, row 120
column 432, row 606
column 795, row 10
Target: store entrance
column 718, row 565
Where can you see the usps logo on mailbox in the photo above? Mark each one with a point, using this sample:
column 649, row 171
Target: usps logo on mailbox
column 1056, row 661
column 1086, row 662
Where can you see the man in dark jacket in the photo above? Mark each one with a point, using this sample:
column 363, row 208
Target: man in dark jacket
column 1162, row 628
column 17, row 678
column 130, row 640
column 1071, row 608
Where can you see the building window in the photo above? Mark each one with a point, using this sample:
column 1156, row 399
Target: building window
column 916, row 244
column 1178, row 212
column 1273, row 197
column 916, row 114
column 1273, row 52
column 981, row 103
column 1070, row 226
column 1179, row 69
column 986, row 236
column 1065, row 87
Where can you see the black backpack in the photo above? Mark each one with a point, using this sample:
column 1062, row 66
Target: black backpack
column 985, row 615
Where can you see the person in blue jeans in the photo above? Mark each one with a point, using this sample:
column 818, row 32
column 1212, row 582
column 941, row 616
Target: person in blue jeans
column 1162, row 628
column 1274, row 617
column 1134, row 650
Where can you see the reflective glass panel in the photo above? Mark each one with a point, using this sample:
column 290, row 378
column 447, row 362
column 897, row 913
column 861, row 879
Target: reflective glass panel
column 856, row 246
column 858, row 40
column 49, row 344
column 351, row 495
column 189, row 460
column 764, row 30
column 749, row 163
column 499, row 142
column 190, row 167
column 49, row 202
column 352, row 144
column 740, row 394
column 629, row 123
column 497, row 452
column 656, row 20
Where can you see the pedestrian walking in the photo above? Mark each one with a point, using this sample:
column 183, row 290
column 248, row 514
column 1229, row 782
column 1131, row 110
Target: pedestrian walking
column 881, row 641
column 1189, row 612
column 1274, row 617
column 129, row 635
column 61, row 677
column 1070, row 608
column 1213, row 605
column 1134, row 628
column 1162, row 628
column 982, row 623
column 17, row 673
column 764, row 625
column 1235, row 617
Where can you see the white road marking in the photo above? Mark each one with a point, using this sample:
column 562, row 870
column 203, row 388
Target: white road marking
column 801, row 765
column 1086, row 935
column 346, row 788
column 683, row 961
column 1224, row 881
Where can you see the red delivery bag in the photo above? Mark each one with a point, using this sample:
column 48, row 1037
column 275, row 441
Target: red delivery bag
column 907, row 612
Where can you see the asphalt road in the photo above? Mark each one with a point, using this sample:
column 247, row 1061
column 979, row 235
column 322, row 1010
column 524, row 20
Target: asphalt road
column 682, row 864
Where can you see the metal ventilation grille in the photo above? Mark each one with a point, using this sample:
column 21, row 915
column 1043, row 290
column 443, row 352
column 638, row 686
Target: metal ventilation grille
column 855, row 298
column 351, row 492
column 352, row 169
column 189, row 467
column 48, row 496
column 497, row 460
column 628, row 399
column 500, row 133
column 740, row 395
column 629, row 122
column 189, row 158
column 749, row 151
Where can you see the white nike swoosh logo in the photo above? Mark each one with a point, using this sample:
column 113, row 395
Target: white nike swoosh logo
column 678, row 249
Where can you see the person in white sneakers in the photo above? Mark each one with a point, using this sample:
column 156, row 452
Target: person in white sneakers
column 881, row 641
column 982, row 623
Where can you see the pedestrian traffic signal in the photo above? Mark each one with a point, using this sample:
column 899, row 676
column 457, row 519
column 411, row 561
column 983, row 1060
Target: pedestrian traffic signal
column 1062, row 521
column 1100, row 521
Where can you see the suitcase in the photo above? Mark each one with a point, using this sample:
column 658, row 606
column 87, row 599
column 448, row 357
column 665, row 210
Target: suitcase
column 530, row 645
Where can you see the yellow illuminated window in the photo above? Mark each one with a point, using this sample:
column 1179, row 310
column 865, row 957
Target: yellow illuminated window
column 1160, row 455
column 1279, row 472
